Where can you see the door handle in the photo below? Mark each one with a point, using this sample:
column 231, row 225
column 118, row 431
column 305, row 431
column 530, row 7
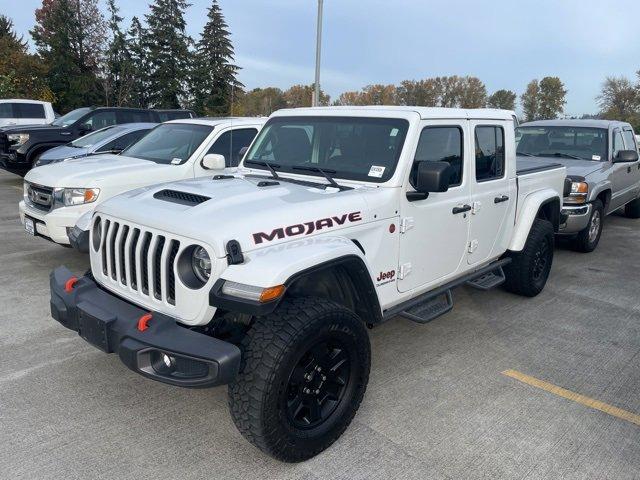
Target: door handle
column 462, row 209
column 500, row 199
column 628, row 169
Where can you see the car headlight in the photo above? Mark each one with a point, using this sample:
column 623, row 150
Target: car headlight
column 201, row 264
column 18, row 139
column 75, row 196
column 579, row 192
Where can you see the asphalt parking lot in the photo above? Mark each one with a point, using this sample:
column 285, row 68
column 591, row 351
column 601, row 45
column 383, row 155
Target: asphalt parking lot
column 438, row 404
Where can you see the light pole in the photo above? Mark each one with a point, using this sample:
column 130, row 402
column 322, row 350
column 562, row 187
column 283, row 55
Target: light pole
column 316, row 95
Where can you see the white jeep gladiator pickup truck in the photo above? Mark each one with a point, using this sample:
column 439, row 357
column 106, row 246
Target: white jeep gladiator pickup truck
column 337, row 220
column 59, row 198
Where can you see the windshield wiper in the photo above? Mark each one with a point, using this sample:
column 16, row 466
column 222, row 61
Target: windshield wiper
column 270, row 166
column 566, row 155
column 525, row 154
column 325, row 173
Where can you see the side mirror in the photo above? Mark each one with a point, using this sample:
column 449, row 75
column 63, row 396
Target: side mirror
column 213, row 161
column 85, row 128
column 625, row 156
column 430, row 177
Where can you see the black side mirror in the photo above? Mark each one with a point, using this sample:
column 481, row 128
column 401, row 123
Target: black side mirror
column 430, row 177
column 625, row 156
column 85, row 128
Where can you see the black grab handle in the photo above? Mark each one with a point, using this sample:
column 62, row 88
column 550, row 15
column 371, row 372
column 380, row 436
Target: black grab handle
column 462, row 209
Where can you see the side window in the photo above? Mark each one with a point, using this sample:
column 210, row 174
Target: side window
column 133, row 116
column 231, row 142
column 6, row 110
column 30, row 110
column 489, row 153
column 441, row 144
column 100, row 120
column 629, row 140
column 123, row 142
column 618, row 143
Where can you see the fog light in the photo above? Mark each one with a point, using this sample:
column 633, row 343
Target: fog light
column 168, row 361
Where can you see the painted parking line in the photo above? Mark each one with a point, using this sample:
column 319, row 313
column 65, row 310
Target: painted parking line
column 574, row 397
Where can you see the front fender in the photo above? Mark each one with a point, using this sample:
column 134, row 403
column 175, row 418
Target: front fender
column 527, row 213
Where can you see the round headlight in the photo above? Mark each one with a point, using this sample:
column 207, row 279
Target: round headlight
column 96, row 234
column 201, row 264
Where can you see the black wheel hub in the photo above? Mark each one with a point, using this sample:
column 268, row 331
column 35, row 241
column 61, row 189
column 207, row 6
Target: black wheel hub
column 317, row 384
column 540, row 261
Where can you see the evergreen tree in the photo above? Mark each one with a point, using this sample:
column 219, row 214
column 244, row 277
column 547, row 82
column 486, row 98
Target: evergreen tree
column 214, row 77
column 169, row 58
column 117, row 77
column 138, row 49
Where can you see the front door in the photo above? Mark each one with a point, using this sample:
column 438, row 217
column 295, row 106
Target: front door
column 434, row 231
column 492, row 191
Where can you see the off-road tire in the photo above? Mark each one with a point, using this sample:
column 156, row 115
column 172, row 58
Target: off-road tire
column 272, row 351
column 632, row 209
column 584, row 242
column 526, row 275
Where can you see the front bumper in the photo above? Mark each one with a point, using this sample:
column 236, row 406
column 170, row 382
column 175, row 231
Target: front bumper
column 13, row 160
column 79, row 239
column 113, row 325
column 55, row 224
column 577, row 218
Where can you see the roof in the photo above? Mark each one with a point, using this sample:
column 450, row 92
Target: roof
column 402, row 111
column 213, row 121
column 22, row 100
column 576, row 123
column 134, row 126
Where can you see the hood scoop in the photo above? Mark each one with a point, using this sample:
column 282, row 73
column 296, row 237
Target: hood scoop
column 181, row 198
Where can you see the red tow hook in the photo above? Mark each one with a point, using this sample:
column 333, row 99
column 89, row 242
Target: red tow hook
column 143, row 322
column 69, row 284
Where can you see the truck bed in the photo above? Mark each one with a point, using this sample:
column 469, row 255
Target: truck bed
column 529, row 165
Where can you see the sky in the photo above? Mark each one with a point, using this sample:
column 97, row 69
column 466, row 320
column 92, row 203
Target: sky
column 506, row 43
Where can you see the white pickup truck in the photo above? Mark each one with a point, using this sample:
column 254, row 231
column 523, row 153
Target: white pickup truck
column 19, row 111
column 266, row 279
column 59, row 198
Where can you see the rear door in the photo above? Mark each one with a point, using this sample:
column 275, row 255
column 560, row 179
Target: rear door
column 492, row 193
column 630, row 144
column 623, row 174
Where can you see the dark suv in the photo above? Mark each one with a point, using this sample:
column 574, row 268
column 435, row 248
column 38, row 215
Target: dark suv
column 20, row 146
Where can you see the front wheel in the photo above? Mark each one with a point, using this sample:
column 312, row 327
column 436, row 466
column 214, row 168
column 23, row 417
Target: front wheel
column 587, row 240
column 304, row 372
column 529, row 269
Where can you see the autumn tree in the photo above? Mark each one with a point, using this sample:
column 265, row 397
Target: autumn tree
column 552, row 97
column 619, row 99
column 530, row 101
column 349, row 98
column 472, row 93
column 302, row 96
column 504, row 99
column 260, row 102
column 424, row 93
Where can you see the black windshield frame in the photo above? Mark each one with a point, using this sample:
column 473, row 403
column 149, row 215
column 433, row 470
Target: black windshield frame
column 401, row 124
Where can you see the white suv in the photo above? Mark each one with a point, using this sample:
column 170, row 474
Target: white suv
column 25, row 112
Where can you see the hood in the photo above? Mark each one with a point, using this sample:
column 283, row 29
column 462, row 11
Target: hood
column 64, row 151
column 239, row 209
column 32, row 129
column 580, row 168
column 93, row 171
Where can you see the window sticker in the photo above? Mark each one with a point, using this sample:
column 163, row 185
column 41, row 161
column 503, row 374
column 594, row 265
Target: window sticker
column 376, row 171
column 175, row 161
column 394, row 132
column 595, row 157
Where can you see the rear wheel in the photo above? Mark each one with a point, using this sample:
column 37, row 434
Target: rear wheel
column 304, row 372
column 587, row 240
column 632, row 209
column 529, row 269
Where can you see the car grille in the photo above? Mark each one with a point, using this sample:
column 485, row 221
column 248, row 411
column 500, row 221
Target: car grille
column 40, row 197
column 139, row 260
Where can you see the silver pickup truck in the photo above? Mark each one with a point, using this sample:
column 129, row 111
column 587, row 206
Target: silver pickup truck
column 601, row 157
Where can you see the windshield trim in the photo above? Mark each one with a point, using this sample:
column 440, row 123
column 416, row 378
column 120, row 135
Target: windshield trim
column 338, row 176
column 576, row 127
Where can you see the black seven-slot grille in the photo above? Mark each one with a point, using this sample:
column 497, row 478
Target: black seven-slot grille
column 140, row 260
column 183, row 198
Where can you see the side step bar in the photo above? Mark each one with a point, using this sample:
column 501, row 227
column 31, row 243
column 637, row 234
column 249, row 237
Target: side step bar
column 439, row 301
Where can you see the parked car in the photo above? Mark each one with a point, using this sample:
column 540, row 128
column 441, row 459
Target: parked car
column 601, row 157
column 340, row 218
column 14, row 111
column 57, row 196
column 166, row 115
column 112, row 139
column 20, row 146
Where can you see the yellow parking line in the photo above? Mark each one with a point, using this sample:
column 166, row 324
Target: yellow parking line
column 574, row 397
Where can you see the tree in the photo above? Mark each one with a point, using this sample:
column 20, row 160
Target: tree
column 69, row 38
column 117, row 77
column 530, row 101
column 504, row 99
column 260, row 102
column 620, row 100
column 138, row 59
column 169, row 58
column 214, row 77
column 349, row 98
column 552, row 97
column 302, row 96
column 426, row 93
column 472, row 93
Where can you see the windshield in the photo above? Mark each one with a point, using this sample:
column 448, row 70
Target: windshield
column 70, row 117
column 96, row 137
column 352, row 148
column 169, row 143
column 581, row 143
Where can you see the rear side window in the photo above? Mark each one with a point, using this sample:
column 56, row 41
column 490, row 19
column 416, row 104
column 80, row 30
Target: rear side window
column 101, row 119
column 30, row 110
column 6, row 110
column 629, row 140
column 231, row 142
column 441, row 144
column 135, row 117
column 489, row 153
